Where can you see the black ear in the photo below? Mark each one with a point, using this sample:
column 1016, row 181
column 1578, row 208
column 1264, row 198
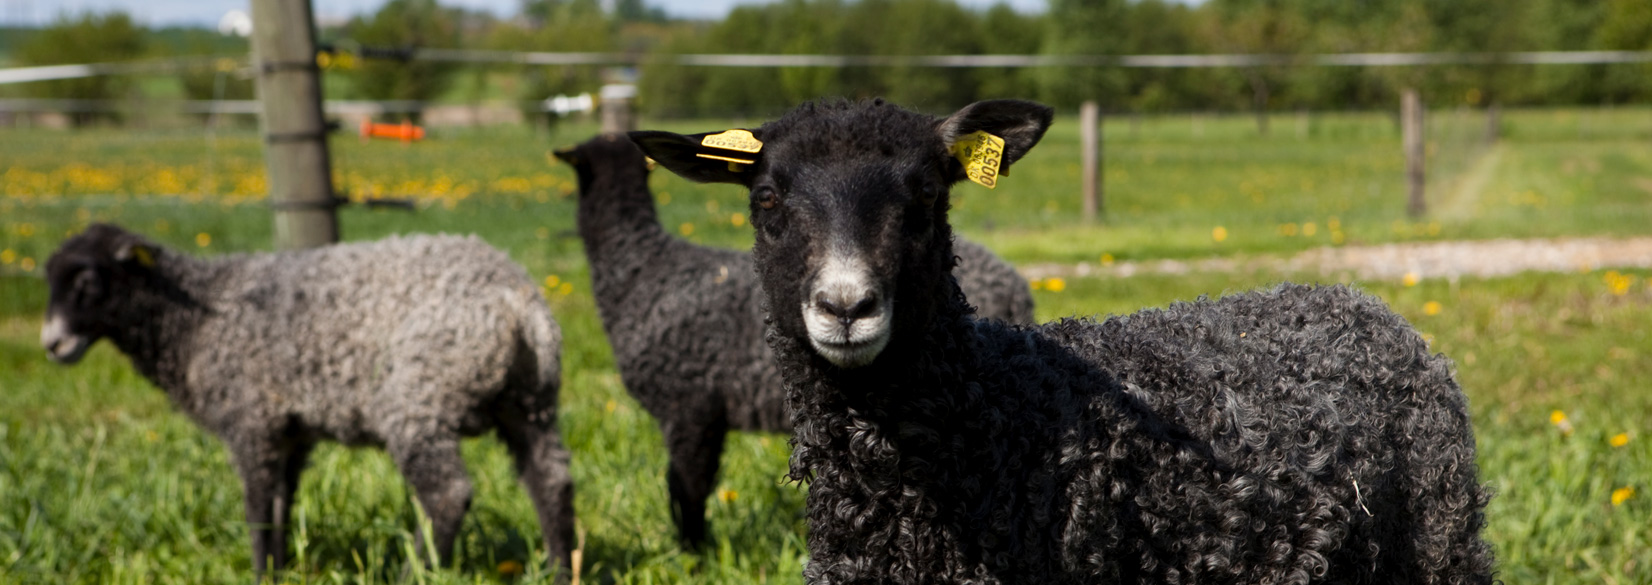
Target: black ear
column 568, row 155
column 1019, row 122
column 691, row 159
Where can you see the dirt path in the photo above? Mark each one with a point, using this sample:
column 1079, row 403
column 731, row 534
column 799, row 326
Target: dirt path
column 1483, row 258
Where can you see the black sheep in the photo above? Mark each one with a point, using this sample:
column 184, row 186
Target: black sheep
column 684, row 322
column 1296, row 435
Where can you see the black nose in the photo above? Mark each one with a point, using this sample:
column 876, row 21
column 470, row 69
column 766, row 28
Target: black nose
column 844, row 310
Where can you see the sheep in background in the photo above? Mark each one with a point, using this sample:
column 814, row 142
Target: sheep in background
column 685, row 324
column 406, row 343
column 1296, row 435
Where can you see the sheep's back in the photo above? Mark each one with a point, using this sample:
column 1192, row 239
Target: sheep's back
column 354, row 339
column 1312, row 414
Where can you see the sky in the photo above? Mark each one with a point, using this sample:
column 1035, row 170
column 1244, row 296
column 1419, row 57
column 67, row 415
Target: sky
column 208, row 12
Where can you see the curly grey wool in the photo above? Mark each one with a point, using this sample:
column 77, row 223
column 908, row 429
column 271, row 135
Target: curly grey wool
column 406, row 343
column 1297, row 435
column 685, row 324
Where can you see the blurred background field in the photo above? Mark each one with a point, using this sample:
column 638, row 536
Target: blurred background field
column 102, row 482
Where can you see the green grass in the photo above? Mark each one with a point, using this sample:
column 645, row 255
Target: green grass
column 101, row 481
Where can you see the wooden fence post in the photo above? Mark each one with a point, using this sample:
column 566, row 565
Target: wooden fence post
column 1089, row 121
column 616, row 108
column 1411, row 122
column 295, row 134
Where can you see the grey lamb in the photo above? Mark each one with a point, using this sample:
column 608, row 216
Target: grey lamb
column 684, row 322
column 406, row 343
column 1297, row 435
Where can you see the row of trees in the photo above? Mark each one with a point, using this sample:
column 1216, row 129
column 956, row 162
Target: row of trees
column 924, row 27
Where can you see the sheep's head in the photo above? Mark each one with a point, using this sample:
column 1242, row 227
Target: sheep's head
column 88, row 275
column 849, row 203
column 611, row 152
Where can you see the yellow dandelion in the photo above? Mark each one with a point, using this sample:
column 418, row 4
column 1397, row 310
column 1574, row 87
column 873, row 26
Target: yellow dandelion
column 1107, row 259
column 686, row 229
column 1622, row 494
column 1559, row 420
column 1036, row 284
column 727, row 495
column 712, row 206
column 1309, row 229
column 1219, row 233
column 1055, row 284
column 1431, row 308
column 1287, row 229
column 610, row 406
column 1411, row 279
column 542, row 233
column 510, row 568
column 552, row 281
column 7, row 256
column 665, row 198
column 25, row 230
column 738, row 219
column 151, row 436
column 203, row 239
column 1618, row 440
column 566, row 289
column 26, row 264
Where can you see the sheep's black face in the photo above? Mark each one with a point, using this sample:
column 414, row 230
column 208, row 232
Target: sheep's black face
column 849, row 203
column 86, row 275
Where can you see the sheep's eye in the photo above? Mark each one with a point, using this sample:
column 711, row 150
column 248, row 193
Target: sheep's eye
column 929, row 194
column 765, row 197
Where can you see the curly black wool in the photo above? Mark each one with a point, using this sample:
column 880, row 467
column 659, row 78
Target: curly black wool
column 1295, row 435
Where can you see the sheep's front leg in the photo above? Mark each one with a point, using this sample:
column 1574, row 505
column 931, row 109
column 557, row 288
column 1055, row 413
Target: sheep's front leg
column 696, row 451
column 433, row 467
column 268, row 484
column 542, row 464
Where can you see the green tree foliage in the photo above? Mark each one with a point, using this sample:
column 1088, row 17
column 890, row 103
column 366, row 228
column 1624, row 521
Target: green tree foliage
column 573, row 26
column 422, row 24
column 1084, row 27
column 86, row 38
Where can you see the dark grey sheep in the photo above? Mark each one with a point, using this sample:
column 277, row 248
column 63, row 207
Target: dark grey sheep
column 684, row 322
column 406, row 343
column 1297, row 435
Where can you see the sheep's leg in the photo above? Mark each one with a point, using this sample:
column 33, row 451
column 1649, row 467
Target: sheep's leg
column 695, row 455
column 433, row 467
column 542, row 463
column 292, row 465
column 260, row 465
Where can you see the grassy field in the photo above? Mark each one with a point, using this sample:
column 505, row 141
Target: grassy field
column 102, row 482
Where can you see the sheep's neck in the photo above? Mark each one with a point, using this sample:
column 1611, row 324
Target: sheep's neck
column 159, row 319
column 621, row 230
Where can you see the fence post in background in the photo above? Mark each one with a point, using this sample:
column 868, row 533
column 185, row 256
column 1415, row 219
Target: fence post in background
column 1494, row 122
column 1089, row 130
column 616, row 108
column 1411, row 122
column 295, row 134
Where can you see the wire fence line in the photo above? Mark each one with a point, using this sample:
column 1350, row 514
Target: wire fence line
column 54, row 72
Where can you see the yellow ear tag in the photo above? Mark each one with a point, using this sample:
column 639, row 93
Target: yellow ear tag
column 736, row 140
column 981, row 154
column 143, row 256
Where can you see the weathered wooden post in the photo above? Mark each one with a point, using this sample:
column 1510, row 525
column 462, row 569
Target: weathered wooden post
column 616, row 108
column 1089, row 122
column 295, row 134
column 1411, row 123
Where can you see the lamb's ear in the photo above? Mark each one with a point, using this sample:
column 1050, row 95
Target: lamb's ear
column 690, row 158
column 136, row 252
column 568, row 155
column 1019, row 122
